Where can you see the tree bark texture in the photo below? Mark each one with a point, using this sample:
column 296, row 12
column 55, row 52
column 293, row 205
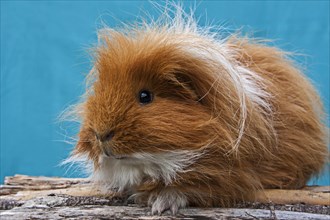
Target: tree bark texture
column 27, row 197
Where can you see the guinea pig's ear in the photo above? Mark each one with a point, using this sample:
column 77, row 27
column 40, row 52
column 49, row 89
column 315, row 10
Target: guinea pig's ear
column 183, row 86
column 193, row 85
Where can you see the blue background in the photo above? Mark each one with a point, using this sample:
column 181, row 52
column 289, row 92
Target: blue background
column 44, row 57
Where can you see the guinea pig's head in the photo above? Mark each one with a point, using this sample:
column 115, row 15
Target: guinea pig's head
column 149, row 95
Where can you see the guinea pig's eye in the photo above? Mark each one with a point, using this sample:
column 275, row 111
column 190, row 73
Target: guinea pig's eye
column 145, row 97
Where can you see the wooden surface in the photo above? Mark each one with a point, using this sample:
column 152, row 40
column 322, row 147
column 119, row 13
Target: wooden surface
column 26, row 197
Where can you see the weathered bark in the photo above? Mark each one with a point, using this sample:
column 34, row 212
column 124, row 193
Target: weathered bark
column 25, row 197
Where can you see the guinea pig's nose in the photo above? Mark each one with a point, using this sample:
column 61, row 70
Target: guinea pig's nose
column 107, row 151
column 106, row 137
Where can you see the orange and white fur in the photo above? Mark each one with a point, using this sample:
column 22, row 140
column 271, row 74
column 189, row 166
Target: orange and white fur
column 217, row 118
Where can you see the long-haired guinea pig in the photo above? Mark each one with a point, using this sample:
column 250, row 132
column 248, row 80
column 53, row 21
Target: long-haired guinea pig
column 178, row 116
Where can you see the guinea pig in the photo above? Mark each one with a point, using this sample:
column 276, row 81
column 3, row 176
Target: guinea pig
column 179, row 116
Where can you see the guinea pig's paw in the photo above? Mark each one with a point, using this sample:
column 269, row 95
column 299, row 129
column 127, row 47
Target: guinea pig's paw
column 140, row 198
column 166, row 199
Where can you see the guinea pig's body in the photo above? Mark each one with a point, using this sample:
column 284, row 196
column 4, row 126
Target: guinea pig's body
column 178, row 117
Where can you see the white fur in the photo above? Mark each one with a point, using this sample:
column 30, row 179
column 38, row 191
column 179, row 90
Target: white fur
column 248, row 84
column 129, row 172
column 79, row 162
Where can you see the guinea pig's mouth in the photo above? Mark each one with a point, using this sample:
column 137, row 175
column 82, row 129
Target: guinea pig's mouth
column 120, row 157
column 108, row 153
